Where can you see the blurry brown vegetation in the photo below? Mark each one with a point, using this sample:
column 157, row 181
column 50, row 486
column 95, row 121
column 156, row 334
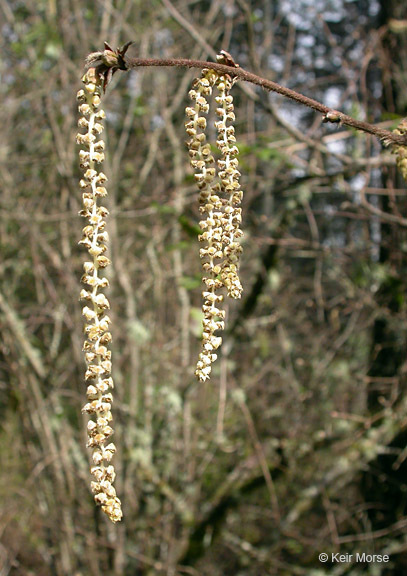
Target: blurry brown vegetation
column 297, row 443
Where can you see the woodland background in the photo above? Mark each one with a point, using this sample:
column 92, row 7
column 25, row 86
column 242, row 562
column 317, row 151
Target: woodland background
column 297, row 444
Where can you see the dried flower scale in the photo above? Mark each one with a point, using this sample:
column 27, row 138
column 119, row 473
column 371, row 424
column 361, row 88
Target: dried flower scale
column 401, row 151
column 98, row 337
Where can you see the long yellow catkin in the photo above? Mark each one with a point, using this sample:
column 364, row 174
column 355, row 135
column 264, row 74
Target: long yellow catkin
column 220, row 197
column 98, row 336
column 210, row 206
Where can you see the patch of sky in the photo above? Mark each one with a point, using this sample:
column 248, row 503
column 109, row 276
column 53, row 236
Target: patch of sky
column 9, row 33
column 356, row 184
column 134, row 84
column 303, row 13
column 304, row 55
column 163, row 38
column 348, row 28
column 293, row 114
column 298, row 172
column 7, row 79
column 157, row 121
column 112, row 118
column 332, row 97
column 336, row 241
column 373, row 8
column 329, row 210
column 306, row 40
column 377, row 90
column 303, row 76
column 229, row 9
column 275, row 63
column 356, row 53
column 336, row 146
column 319, row 63
column 376, row 231
column 332, row 16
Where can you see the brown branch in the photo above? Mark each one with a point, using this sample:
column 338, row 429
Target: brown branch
column 330, row 115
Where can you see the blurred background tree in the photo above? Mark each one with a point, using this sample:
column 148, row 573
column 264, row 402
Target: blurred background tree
column 297, row 444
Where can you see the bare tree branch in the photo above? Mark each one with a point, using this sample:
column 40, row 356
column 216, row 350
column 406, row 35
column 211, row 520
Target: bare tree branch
column 330, row 115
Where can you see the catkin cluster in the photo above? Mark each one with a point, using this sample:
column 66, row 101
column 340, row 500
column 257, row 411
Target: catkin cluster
column 219, row 203
column 98, row 336
column 401, row 151
column 230, row 187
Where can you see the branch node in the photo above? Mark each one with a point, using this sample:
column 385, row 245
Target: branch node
column 333, row 116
